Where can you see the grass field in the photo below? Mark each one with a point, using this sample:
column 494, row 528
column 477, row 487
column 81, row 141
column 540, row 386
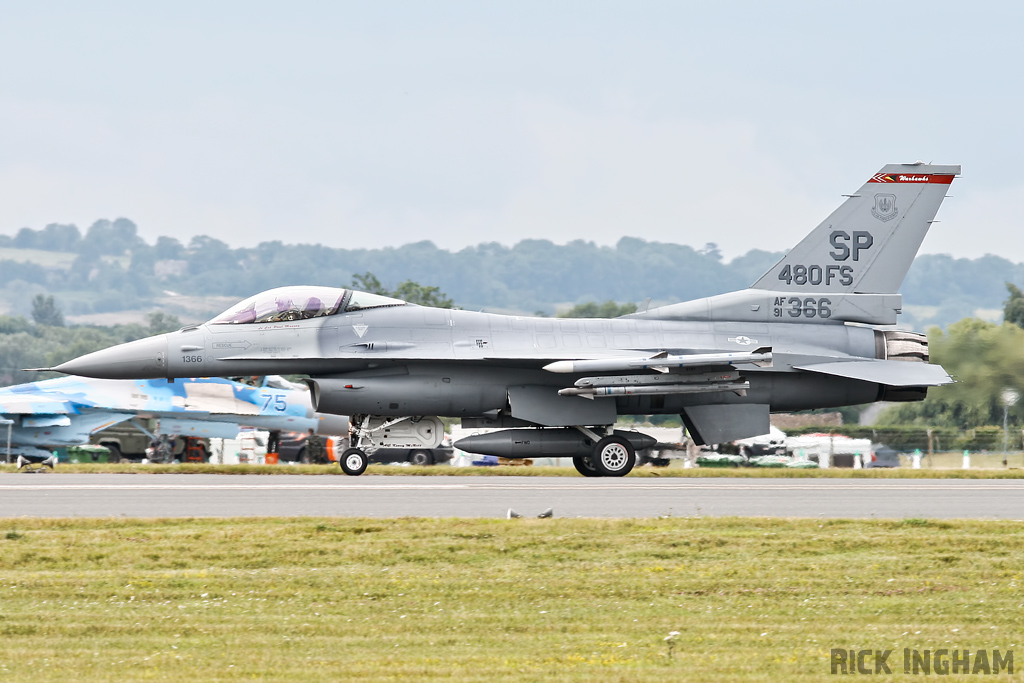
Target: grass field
column 483, row 600
column 445, row 471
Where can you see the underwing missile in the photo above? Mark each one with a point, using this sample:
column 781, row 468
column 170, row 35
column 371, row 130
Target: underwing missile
column 593, row 392
column 661, row 362
column 673, row 378
column 539, row 443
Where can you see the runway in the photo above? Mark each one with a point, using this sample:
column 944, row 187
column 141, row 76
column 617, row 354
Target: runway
column 170, row 495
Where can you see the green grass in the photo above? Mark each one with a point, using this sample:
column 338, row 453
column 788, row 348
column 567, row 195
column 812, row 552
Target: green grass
column 444, row 471
column 484, row 600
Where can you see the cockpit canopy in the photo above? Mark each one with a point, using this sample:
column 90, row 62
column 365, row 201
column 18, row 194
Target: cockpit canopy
column 299, row 303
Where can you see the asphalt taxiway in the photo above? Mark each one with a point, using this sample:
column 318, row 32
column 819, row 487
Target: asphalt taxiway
column 197, row 495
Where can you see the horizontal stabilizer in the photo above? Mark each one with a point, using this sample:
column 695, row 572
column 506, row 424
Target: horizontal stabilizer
column 893, row 373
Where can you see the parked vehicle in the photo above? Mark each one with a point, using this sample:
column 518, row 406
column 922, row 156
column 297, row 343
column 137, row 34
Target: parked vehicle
column 671, row 445
column 126, row 441
column 883, row 456
column 772, row 443
column 414, row 456
column 820, row 447
column 292, row 448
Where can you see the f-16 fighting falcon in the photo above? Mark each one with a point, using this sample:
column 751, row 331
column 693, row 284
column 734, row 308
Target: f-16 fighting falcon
column 68, row 410
column 806, row 335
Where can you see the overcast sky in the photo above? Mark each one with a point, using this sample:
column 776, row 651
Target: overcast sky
column 381, row 123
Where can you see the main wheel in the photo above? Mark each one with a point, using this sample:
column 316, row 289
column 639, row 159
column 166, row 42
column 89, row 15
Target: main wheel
column 584, row 464
column 353, row 462
column 115, row 452
column 613, row 456
column 421, row 458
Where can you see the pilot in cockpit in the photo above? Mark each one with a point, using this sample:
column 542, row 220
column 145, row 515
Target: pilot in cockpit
column 314, row 307
column 300, row 303
column 286, row 309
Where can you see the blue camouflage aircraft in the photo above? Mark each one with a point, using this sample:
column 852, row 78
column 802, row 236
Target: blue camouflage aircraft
column 68, row 410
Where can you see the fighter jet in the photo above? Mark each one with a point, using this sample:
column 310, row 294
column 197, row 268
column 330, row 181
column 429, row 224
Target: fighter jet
column 813, row 332
column 67, row 411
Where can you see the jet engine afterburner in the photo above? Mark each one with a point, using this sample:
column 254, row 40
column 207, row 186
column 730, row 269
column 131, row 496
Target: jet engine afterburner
column 900, row 345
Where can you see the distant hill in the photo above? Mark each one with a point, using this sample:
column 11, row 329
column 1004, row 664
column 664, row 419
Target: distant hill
column 110, row 270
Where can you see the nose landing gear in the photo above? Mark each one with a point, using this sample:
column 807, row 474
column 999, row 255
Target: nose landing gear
column 368, row 433
column 353, row 462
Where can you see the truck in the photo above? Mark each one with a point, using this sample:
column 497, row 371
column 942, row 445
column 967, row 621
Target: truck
column 130, row 441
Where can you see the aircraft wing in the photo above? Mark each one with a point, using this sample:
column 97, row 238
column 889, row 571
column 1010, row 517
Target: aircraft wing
column 894, row 373
column 216, row 399
column 36, row 404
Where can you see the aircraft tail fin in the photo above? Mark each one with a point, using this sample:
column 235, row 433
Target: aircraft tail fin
column 867, row 245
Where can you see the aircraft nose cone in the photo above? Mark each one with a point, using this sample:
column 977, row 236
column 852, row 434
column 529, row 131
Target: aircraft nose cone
column 140, row 359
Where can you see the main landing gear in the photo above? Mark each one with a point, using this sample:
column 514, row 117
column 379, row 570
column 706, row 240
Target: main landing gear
column 599, row 451
column 612, row 456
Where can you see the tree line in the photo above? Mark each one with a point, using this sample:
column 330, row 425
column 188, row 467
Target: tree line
column 34, row 343
column 115, row 269
column 986, row 359
column 121, row 271
column 987, row 362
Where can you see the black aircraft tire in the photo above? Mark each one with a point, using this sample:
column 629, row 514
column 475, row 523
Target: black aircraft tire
column 115, row 452
column 421, row 458
column 353, row 462
column 584, row 465
column 613, row 456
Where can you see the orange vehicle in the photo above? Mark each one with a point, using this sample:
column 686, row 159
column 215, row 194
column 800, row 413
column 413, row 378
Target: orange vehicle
column 195, row 450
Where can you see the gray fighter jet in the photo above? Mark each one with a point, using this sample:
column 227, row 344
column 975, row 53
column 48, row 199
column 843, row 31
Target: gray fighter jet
column 808, row 334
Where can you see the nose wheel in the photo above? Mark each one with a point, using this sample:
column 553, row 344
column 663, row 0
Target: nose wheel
column 353, row 462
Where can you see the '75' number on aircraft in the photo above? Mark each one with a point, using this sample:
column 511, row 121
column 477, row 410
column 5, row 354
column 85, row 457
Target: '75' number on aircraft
column 808, row 307
column 280, row 405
